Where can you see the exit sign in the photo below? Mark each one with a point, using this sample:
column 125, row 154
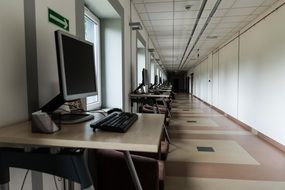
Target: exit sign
column 58, row 19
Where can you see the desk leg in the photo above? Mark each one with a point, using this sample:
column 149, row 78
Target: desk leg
column 4, row 186
column 90, row 188
column 133, row 171
column 166, row 134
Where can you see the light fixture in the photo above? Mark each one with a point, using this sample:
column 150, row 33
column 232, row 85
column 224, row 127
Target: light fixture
column 135, row 25
column 188, row 7
column 211, row 37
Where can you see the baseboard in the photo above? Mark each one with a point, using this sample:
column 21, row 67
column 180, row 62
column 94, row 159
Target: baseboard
column 247, row 127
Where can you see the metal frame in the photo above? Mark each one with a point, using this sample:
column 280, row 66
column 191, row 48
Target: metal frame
column 67, row 164
column 133, row 171
column 72, row 166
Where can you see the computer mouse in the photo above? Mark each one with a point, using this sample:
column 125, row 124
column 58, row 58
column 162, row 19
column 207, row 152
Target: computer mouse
column 114, row 110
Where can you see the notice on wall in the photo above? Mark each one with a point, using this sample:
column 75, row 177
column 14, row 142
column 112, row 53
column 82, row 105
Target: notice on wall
column 58, row 20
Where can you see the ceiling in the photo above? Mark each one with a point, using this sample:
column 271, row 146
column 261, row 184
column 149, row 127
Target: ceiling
column 170, row 25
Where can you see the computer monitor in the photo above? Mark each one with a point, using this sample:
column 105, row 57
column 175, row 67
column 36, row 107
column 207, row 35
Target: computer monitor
column 145, row 77
column 156, row 80
column 76, row 66
column 76, row 70
column 144, row 81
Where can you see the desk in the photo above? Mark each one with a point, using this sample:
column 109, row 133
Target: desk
column 144, row 135
column 137, row 97
column 164, row 90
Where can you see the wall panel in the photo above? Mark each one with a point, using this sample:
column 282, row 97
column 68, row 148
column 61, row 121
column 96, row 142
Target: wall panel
column 261, row 84
column 13, row 80
column 228, row 78
column 216, row 79
column 210, row 79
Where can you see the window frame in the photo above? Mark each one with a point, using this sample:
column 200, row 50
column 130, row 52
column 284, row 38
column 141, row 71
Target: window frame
column 95, row 19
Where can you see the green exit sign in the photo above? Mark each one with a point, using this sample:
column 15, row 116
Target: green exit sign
column 58, row 19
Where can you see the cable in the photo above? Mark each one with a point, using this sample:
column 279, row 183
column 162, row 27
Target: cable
column 100, row 112
column 24, row 180
column 55, row 183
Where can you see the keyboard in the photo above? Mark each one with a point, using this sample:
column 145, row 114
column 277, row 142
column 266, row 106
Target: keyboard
column 115, row 122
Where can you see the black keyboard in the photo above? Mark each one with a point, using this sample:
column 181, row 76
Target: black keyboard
column 115, row 122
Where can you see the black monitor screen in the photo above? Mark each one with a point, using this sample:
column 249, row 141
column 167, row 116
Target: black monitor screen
column 76, row 67
column 145, row 77
column 156, row 80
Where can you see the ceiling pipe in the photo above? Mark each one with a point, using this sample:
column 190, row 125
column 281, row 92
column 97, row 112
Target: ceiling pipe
column 194, row 29
column 203, row 29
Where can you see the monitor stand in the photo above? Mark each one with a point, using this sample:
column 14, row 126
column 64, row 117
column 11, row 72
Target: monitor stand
column 69, row 118
column 52, row 105
column 72, row 118
column 139, row 87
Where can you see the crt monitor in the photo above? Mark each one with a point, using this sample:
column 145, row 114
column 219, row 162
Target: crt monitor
column 76, row 66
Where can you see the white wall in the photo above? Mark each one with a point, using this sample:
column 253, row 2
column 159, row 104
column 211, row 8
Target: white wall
column 210, row 79
column 204, row 80
column 13, row 84
column 215, row 80
column 248, row 77
column 47, row 62
column 13, row 80
column 228, row 78
column 261, row 84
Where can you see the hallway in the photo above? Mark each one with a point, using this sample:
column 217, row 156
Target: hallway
column 229, row 157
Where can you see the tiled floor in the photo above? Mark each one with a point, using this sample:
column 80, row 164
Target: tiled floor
column 240, row 161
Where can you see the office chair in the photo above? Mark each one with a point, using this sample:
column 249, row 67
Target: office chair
column 112, row 171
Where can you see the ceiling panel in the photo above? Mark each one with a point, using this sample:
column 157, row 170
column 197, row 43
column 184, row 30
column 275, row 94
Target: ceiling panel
column 241, row 11
column 159, row 7
column 160, row 19
column 247, row 3
column 161, row 16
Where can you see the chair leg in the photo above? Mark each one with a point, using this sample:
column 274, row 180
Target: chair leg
column 4, row 186
column 89, row 188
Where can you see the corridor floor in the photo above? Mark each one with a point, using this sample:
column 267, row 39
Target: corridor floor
column 210, row 152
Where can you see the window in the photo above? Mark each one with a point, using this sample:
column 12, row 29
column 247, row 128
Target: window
column 140, row 60
column 92, row 34
column 157, row 71
column 152, row 74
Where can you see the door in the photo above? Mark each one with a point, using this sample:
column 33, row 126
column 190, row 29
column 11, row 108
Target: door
column 176, row 85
